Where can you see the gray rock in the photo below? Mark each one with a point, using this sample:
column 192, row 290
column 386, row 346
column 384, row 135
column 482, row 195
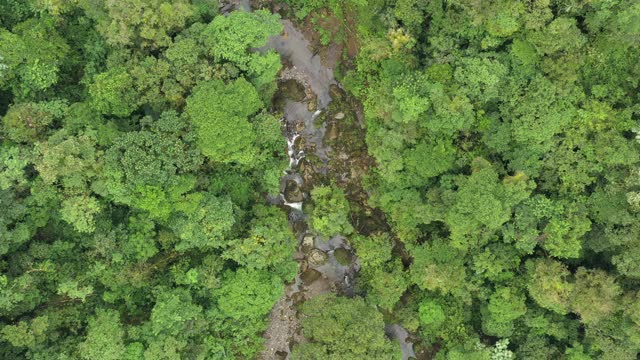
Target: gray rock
column 317, row 257
column 307, row 243
column 309, row 276
column 292, row 192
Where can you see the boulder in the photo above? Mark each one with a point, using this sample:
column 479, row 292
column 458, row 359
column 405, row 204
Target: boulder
column 292, row 192
column 317, row 257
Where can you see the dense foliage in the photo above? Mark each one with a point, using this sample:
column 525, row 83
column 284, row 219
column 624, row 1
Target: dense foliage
column 138, row 142
column 132, row 180
column 507, row 165
column 343, row 328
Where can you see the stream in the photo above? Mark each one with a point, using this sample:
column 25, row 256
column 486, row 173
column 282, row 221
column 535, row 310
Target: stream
column 305, row 90
column 326, row 265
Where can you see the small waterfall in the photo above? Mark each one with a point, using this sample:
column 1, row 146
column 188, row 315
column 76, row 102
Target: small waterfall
column 326, row 264
column 295, row 205
column 294, row 156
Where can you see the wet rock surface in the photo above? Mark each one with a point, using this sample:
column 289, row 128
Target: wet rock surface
column 343, row 256
column 304, row 92
column 292, row 192
column 307, row 243
column 325, row 139
column 295, row 49
column 317, row 257
column 309, row 276
column 398, row 333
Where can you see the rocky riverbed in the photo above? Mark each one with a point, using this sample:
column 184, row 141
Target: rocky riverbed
column 325, row 264
column 325, row 142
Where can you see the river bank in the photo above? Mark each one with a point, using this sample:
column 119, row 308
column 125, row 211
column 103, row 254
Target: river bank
column 325, row 134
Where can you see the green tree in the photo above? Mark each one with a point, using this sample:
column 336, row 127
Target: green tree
column 481, row 78
column 343, row 328
column 506, row 304
column 207, row 226
column 381, row 275
column 27, row 122
column 242, row 303
column 438, row 266
column 595, row 295
column 220, row 113
column 113, row 93
column 148, row 169
column 432, row 316
column 548, row 284
column 27, row 333
column 386, row 286
column 72, row 163
column 13, row 161
column 105, row 337
column 429, row 159
column 174, row 313
column 33, row 53
column 497, row 263
column 481, row 205
column 270, row 244
column 330, row 214
column 152, row 27
column 80, row 211
column 248, row 294
column 231, row 38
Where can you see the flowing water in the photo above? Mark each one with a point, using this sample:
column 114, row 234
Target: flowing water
column 326, row 265
column 320, row 269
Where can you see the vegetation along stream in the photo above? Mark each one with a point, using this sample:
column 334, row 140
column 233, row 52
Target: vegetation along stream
column 315, row 115
column 320, row 179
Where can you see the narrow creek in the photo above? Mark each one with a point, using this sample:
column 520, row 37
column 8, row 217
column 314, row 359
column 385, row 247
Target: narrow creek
column 325, row 264
column 306, row 90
